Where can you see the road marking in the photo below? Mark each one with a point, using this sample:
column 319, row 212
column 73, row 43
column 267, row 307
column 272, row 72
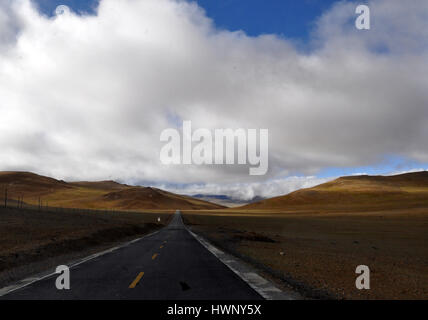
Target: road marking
column 154, row 256
column 48, row 274
column 262, row 286
column 137, row 279
column 160, row 247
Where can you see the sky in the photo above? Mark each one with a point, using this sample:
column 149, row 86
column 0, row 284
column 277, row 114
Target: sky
column 85, row 94
column 291, row 19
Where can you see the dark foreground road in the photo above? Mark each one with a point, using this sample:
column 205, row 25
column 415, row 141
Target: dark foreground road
column 168, row 265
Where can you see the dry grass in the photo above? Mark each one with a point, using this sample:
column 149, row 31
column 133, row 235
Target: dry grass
column 93, row 195
column 353, row 194
column 321, row 251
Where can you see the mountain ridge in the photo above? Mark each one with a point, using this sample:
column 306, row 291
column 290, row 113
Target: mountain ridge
column 106, row 194
column 354, row 193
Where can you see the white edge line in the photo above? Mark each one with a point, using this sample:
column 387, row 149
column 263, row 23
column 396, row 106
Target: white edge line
column 41, row 276
column 268, row 291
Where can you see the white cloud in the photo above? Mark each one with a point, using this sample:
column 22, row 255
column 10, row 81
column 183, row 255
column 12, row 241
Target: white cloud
column 248, row 191
column 86, row 97
column 407, row 171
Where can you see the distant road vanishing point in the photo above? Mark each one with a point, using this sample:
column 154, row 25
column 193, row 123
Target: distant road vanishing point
column 170, row 264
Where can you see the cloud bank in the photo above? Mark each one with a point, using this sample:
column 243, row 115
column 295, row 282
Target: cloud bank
column 87, row 96
column 249, row 191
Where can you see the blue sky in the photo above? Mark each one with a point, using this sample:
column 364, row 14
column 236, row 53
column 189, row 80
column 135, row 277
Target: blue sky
column 390, row 164
column 291, row 19
column 48, row 6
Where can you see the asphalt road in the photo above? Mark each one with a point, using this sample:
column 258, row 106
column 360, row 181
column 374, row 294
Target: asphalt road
column 167, row 265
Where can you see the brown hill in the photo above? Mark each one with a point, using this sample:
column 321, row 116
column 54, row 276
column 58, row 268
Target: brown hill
column 355, row 193
column 30, row 184
column 132, row 198
column 101, row 185
column 92, row 195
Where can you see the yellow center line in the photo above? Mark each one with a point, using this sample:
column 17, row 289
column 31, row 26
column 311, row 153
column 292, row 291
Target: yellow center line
column 137, row 279
column 154, row 256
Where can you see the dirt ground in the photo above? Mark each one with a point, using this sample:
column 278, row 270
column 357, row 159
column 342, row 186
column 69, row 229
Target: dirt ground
column 317, row 254
column 33, row 241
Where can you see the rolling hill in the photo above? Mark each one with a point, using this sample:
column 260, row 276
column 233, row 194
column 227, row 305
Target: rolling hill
column 92, row 195
column 355, row 193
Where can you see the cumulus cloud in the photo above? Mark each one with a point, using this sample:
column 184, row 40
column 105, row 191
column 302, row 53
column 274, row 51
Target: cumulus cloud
column 87, row 96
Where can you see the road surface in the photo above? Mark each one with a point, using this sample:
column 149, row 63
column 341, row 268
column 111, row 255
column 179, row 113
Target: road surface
column 168, row 265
